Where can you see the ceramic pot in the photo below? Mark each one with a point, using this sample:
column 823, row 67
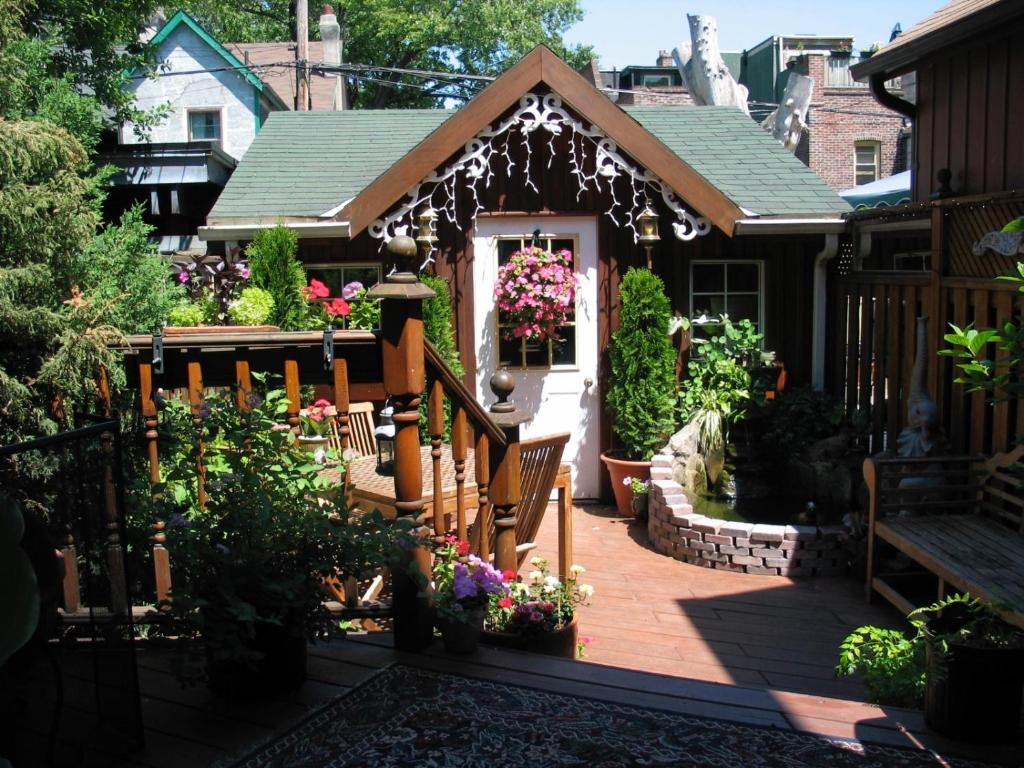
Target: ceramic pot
column 559, row 642
column 314, row 443
column 462, row 636
column 618, row 469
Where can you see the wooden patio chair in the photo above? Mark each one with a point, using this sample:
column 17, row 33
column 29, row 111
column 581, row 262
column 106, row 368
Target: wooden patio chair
column 361, row 441
column 540, row 462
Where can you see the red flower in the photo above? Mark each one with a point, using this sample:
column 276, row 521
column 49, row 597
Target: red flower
column 322, row 403
column 462, row 548
column 508, row 575
column 506, row 602
column 317, row 290
column 449, row 539
column 336, row 308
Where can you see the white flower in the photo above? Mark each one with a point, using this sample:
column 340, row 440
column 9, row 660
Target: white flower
column 536, row 577
column 538, row 561
column 627, row 480
column 576, row 570
column 585, row 591
column 551, row 582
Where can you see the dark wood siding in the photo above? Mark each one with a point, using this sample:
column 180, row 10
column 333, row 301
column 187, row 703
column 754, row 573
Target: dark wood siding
column 971, row 115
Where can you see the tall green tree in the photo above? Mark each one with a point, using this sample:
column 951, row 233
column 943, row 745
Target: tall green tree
column 462, row 37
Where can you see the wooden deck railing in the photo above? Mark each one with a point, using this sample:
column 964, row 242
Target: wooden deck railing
column 395, row 363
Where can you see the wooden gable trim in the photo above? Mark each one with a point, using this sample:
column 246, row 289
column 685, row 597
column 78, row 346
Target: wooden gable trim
column 541, row 65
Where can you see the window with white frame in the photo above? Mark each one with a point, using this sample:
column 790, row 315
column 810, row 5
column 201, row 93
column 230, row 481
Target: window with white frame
column 550, row 353
column 733, row 288
column 204, row 125
column 866, row 161
column 337, row 276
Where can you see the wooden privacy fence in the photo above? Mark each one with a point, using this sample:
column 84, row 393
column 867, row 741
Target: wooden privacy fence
column 347, row 362
column 873, row 343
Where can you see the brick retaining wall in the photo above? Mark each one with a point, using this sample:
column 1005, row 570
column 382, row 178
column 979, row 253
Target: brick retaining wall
column 776, row 550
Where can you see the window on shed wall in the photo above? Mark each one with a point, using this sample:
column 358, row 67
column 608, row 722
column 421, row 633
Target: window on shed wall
column 657, row 81
column 337, row 276
column 866, row 161
column 204, row 125
column 733, row 288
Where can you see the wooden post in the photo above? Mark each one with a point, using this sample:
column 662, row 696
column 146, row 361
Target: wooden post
column 459, row 450
column 506, row 485
column 482, row 459
column 435, row 425
column 563, row 483
column 404, row 369
column 243, row 385
column 161, row 562
column 195, row 398
column 291, row 388
column 119, row 603
column 302, row 56
column 342, row 402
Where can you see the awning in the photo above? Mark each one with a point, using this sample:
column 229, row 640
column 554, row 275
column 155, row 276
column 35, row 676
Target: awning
column 168, row 163
column 893, row 190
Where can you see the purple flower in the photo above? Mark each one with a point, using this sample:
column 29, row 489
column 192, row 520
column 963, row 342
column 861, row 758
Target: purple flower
column 178, row 520
column 183, row 277
column 243, row 271
column 351, row 289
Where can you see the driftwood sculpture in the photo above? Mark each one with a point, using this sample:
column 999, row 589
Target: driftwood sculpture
column 923, row 434
column 789, row 120
column 700, row 63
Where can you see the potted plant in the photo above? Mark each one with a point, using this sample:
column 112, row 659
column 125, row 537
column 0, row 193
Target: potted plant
column 249, row 562
column 535, row 293
column 539, row 614
column 641, row 393
column 315, row 424
column 640, row 488
column 217, row 295
column 962, row 663
column 463, row 586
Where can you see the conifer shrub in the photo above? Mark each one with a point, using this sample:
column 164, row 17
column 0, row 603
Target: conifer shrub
column 275, row 268
column 641, row 393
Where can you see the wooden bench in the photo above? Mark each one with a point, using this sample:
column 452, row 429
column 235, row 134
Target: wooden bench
column 959, row 517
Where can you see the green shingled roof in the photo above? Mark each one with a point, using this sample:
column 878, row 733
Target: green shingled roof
column 305, row 163
column 731, row 151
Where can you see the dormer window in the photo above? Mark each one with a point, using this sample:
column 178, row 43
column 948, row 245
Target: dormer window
column 204, row 125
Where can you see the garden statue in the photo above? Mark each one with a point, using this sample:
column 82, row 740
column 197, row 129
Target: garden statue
column 923, row 434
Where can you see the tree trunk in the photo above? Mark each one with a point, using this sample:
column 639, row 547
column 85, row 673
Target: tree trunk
column 788, row 122
column 704, row 72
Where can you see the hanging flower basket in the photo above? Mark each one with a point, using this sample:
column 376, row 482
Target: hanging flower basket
column 536, row 292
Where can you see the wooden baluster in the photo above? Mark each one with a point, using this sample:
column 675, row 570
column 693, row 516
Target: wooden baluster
column 161, row 561
column 72, row 588
column 435, row 425
column 195, row 398
column 483, row 483
column 342, row 402
column 506, row 484
column 564, row 485
column 403, row 363
column 291, row 388
column 243, row 385
column 459, row 449
column 119, row 603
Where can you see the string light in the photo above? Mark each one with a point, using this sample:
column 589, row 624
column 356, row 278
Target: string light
column 540, row 115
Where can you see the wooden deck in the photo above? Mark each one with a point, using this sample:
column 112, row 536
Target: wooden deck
column 664, row 634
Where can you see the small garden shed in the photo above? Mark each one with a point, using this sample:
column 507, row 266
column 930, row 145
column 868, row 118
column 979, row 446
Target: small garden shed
column 743, row 226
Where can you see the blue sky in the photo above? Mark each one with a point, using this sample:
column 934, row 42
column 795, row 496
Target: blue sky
column 631, row 31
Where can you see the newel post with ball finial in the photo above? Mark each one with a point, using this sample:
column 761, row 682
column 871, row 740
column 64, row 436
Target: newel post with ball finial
column 404, row 373
column 505, row 490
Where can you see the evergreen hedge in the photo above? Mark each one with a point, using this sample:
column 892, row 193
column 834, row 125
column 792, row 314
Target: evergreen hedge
column 275, row 268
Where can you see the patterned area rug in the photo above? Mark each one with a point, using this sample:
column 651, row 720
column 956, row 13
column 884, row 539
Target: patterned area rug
column 405, row 716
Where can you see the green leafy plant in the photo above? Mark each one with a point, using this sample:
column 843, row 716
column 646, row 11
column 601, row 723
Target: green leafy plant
column 254, row 306
column 800, row 417
column 893, row 662
column 642, row 383
column 275, row 268
column 316, row 421
column 272, row 528
column 185, row 314
column 439, row 330
column 463, row 582
column 364, row 312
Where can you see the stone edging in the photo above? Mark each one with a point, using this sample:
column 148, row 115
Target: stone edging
column 776, row 550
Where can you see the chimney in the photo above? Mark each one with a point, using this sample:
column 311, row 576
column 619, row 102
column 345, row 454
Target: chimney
column 330, row 34
column 664, row 59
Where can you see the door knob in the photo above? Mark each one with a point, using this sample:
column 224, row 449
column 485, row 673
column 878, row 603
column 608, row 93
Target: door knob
column 588, row 383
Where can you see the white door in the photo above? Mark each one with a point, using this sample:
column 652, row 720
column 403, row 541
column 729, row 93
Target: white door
column 555, row 381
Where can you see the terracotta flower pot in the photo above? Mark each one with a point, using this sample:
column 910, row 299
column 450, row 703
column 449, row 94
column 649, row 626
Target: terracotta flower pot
column 618, row 469
column 559, row 642
column 200, row 330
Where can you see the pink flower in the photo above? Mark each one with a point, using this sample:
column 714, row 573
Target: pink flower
column 337, row 308
column 322, row 403
column 317, row 290
column 183, row 277
column 351, row 289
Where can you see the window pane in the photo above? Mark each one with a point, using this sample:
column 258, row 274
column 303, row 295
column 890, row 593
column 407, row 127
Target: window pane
column 743, row 277
column 563, row 245
column 204, row 126
column 536, row 354
column 743, row 308
column 368, row 276
column 657, row 81
column 712, row 306
column 508, row 352
column 331, row 277
column 506, row 248
column 708, row 278
column 564, row 351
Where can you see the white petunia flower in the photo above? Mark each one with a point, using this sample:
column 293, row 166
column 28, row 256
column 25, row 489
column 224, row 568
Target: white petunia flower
column 536, row 577
column 576, row 570
column 585, row 590
column 551, row 581
column 536, row 561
